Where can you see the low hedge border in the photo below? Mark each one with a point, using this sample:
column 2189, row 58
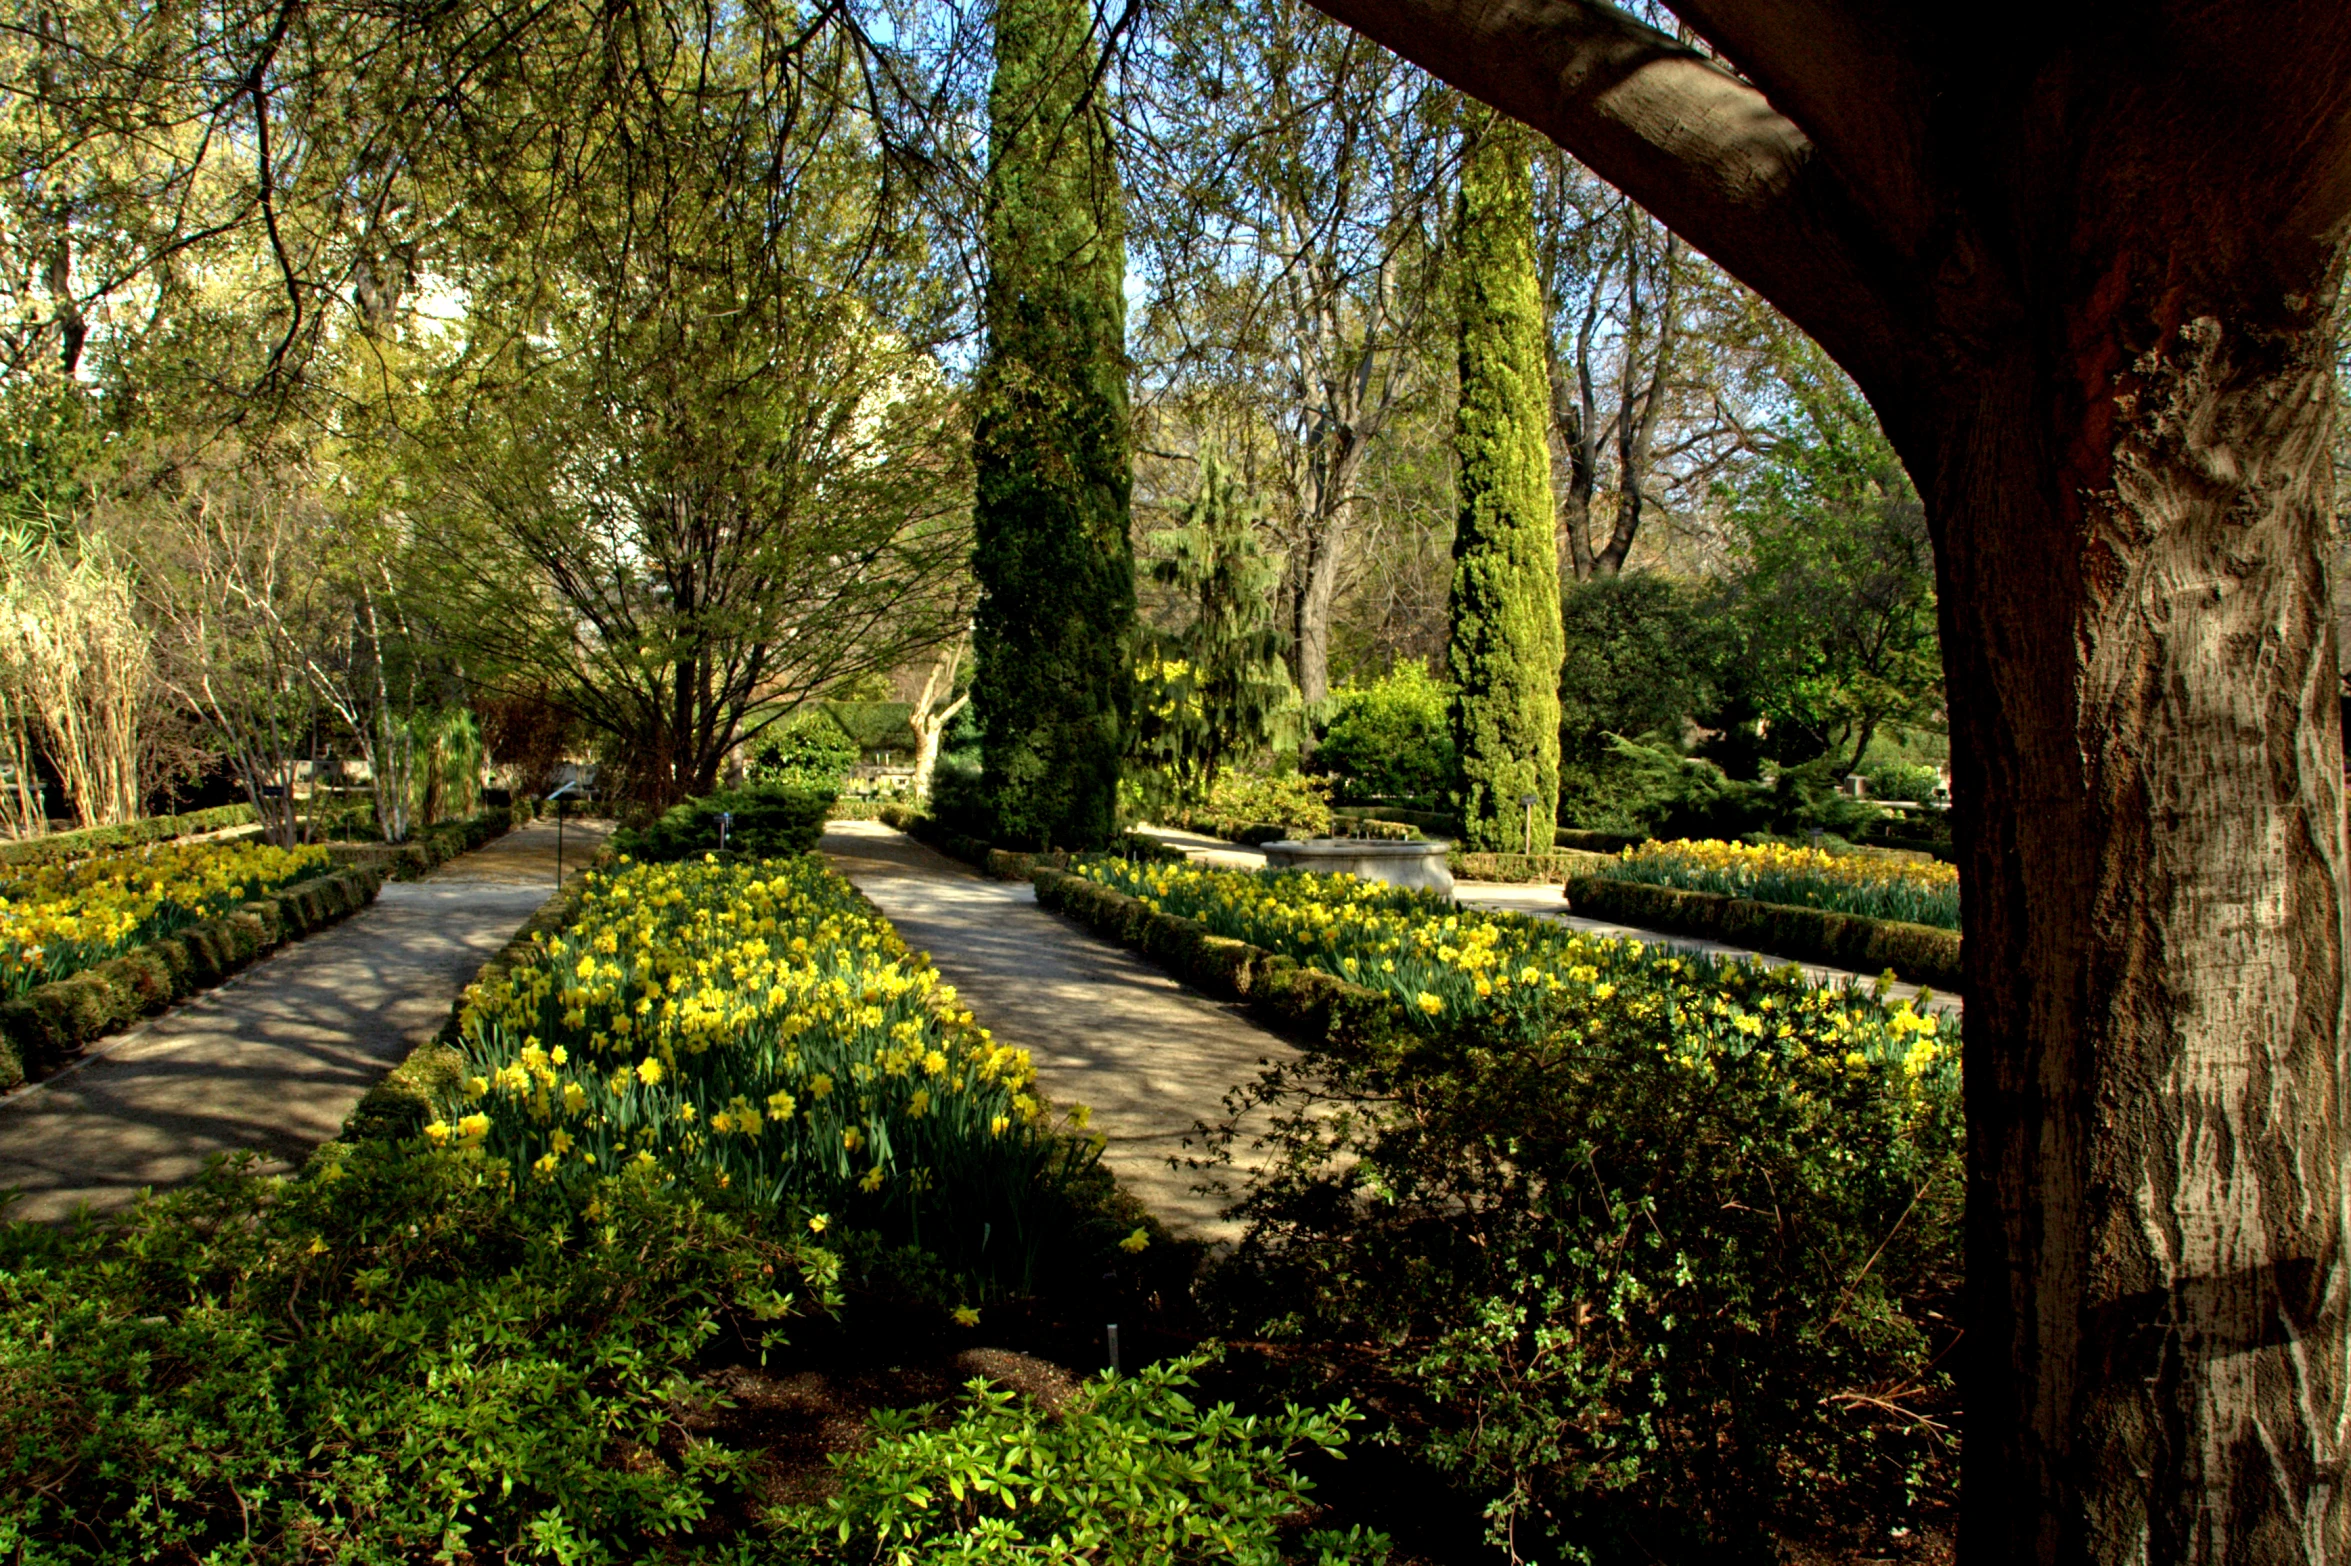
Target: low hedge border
column 1554, row 868
column 1430, row 823
column 1920, row 953
column 859, row 809
column 1303, row 1003
column 1233, row 829
column 1005, row 864
column 1598, row 842
column 399, row 1105
column 58, row 847
column 50, row 1024
column 434, row 846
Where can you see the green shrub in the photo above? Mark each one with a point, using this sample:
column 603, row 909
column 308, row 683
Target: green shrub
column 1653, row 790
column 397, row 1358
column 811, row 751
column 1893, row 780
column 1298, row 804
column 1392, row 739
column 769, row 820
column 1641, row 658
column 1131, row 1473
column 1654, row 1303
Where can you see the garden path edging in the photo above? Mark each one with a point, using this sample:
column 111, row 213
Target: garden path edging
column 46, row 1028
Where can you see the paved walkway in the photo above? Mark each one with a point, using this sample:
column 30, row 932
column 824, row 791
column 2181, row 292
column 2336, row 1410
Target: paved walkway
column 1549, row 902
column 274, row 1059
column 1106, row 1028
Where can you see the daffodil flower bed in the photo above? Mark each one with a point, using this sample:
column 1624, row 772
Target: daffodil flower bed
column 1447, row 965
column 59, row 919
column 761, row 1023
column 1872, row 885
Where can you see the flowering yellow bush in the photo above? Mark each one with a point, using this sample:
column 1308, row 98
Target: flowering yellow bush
column 756, row 1021
column 59, row 919
column 1873, row 885
column 1452, row 965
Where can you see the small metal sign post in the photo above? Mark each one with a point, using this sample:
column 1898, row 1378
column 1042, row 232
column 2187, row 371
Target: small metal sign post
column 558, row 800
column 1530, row 801
column 726, row 818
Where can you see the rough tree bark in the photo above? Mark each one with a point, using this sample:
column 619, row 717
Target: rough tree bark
column 2083, row 266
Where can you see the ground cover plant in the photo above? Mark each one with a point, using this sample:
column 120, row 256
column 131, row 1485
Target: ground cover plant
column 1655, row 1255
column 1872, row 885
column 58, row 919
column 1132, row 1473
column 761, row 1025
column 406, row 1355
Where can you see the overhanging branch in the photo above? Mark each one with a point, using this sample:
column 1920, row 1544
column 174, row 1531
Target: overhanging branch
column 1701, row 149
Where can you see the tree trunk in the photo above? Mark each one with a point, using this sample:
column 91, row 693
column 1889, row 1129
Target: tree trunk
column 2139, row 643
column 1639, row 408
column 1317, row 589
column 1573, row 415
column 2083, row 265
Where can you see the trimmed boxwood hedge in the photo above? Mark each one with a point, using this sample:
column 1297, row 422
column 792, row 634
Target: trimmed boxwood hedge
column 1919, row 953
column 50, row 1024
column 1555, row 868
column 1597, row 842
column 1305, row 1003
column 1007, row 864
column 434, row 846
column 58, row 847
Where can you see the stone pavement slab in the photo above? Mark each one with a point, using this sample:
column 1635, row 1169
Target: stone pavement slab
column 1105, row 1028
column 274, row 1059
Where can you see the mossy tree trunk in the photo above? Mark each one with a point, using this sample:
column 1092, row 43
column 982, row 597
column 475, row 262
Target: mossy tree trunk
column 1054, row 634
column 1505, row 648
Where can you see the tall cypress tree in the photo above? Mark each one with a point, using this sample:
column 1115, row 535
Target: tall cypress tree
column 1504, row 652
column 1053, row 690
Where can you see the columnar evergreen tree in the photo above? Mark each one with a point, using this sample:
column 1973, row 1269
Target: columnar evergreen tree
column 1053, row 690
column 1505, row 649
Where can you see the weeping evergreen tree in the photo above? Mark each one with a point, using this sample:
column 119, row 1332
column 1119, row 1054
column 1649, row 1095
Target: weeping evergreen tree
column 1055, row 631
column 1218, row 687
column 1505, row 651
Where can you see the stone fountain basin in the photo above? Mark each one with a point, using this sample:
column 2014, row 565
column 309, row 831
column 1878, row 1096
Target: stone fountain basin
column 1420, row 866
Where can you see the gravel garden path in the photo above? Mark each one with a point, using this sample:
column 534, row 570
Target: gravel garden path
column 275, row 1059
column 1548, row 902
column 1106, row 1028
